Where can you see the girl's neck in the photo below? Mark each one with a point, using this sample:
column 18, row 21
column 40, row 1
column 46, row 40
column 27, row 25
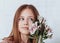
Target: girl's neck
column 24, row 38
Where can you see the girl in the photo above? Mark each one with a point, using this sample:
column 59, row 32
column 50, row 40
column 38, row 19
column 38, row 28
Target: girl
column 24, row 17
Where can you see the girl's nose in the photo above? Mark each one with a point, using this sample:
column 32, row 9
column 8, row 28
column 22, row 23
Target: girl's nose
column 25, row 22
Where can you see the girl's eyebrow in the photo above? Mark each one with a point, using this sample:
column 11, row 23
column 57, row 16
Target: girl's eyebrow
column 30, row 16
column 21, row 16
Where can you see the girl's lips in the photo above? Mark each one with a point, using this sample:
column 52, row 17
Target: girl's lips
column 25, row 27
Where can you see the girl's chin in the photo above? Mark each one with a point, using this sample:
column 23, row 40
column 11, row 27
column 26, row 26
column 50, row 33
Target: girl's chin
column 25, row 33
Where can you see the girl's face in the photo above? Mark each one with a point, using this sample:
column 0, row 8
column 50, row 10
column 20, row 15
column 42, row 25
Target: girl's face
column 25, row 20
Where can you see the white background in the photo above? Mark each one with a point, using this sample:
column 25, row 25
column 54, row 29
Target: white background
column 49, row 9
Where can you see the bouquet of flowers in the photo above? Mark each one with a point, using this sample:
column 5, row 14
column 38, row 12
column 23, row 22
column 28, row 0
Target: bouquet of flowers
column 40, row 31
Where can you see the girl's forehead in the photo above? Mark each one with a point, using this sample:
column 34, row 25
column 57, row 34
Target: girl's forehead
column 27, row 12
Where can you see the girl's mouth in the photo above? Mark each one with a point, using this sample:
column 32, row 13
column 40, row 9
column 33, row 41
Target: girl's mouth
column 25, row 28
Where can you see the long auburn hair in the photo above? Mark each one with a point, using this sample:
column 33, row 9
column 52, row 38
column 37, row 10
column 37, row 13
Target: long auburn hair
column 15, row 34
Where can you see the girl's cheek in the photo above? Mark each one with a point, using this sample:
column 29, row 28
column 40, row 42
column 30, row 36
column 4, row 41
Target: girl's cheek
column 20, row 24
column 30, row 23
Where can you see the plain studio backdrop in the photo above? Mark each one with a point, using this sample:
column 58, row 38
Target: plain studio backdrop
column 49, row 9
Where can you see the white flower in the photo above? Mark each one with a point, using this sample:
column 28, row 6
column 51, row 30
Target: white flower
column 33, row 28
column 41, row 19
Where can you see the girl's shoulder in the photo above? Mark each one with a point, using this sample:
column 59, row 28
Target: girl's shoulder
column 6, row 40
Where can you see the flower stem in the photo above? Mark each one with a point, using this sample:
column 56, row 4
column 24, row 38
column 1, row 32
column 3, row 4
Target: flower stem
column 36, row 40
column 41, row 40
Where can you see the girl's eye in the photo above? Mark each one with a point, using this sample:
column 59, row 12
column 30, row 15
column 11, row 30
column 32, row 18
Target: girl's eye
column 21, row 18
column 31, row 19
